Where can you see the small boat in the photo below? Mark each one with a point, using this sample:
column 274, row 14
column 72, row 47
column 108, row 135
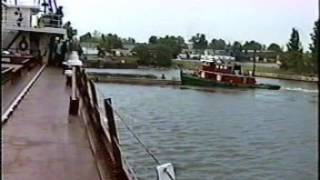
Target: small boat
column 219, row 74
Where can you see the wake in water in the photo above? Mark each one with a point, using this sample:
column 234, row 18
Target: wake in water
column 300, row 89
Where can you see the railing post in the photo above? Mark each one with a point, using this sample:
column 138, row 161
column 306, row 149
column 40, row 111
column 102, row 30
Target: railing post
column 110, row 117
column 74, row 101
column 114, row 139
column 93, row 91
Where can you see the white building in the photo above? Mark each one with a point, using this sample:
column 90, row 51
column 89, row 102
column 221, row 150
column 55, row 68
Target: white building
column 121, row 52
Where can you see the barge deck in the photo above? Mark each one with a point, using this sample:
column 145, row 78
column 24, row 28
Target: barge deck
column 41, row 141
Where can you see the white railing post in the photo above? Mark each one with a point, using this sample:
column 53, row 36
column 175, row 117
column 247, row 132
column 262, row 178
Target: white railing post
column 74, row 62
column 74, row 84
column 166, row 172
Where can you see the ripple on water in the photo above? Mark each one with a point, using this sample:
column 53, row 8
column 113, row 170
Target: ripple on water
column 221, row 135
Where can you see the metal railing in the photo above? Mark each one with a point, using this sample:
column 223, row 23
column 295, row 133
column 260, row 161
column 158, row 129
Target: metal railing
column 21, row 3
column 104, row 126
column 50, row 20
column 46, row 20
column 13, row 22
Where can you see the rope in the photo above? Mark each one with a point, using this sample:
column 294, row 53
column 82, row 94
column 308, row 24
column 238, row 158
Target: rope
column 137, row 138
column 141, row 143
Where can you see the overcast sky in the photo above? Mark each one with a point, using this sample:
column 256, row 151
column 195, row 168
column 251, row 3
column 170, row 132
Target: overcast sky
column 265, row 21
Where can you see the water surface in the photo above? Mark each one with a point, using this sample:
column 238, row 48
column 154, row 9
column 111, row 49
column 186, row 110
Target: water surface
column 225, row 134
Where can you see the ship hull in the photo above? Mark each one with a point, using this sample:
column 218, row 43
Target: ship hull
column 190, row 80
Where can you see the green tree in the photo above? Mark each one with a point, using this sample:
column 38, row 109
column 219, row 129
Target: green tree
column 294, row 62
column 236, row 49
column 129, row 40
column 252, row 45
column 199, row 41
column 142, row 52
column 153, row 40
column 175, row 44
column 218, row 44
column 256, row 45
column 228, row 48
column 314, row 46
column 236, row 46
column 181, row 42
column 294, row 44
column 274, row 47
column 160, row 55
column 153, row 54
column 110, row 41
column 96, row 36
column 293, row 59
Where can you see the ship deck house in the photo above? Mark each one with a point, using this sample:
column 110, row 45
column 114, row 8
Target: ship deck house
column 26, row 30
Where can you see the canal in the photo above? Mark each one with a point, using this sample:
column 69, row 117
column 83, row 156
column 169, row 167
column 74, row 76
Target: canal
column 224, row 134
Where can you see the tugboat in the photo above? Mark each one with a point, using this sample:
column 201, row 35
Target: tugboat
column 217, row 73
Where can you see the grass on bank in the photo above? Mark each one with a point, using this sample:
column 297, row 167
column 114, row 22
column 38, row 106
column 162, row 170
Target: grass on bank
column 195, row 65
column 274, row 70
column 192, row 65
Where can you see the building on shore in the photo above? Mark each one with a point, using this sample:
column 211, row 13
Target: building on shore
column 265, row 56
column 261, row 55
column 121, row 52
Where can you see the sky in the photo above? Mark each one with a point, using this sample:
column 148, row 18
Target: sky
column 265, row 21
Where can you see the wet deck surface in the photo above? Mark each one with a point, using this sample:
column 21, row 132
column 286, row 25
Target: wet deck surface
column 40, row 141
column 9, row 91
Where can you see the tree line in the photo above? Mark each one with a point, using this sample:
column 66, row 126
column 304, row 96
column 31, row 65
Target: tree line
column 106, row 41
column 113, row 41
column 295, row 59
column 159, row 51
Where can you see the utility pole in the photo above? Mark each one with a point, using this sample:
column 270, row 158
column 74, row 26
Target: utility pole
column 254, row 62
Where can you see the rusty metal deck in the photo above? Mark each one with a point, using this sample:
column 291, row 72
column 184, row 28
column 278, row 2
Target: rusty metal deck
column 40, row 140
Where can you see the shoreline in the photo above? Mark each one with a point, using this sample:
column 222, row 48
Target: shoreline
column 195, row 65
column 311, row 79
column 137, row 81
column 301, row 78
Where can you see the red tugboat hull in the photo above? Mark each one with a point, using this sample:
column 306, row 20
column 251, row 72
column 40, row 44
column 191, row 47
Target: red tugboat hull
column 187, row 79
